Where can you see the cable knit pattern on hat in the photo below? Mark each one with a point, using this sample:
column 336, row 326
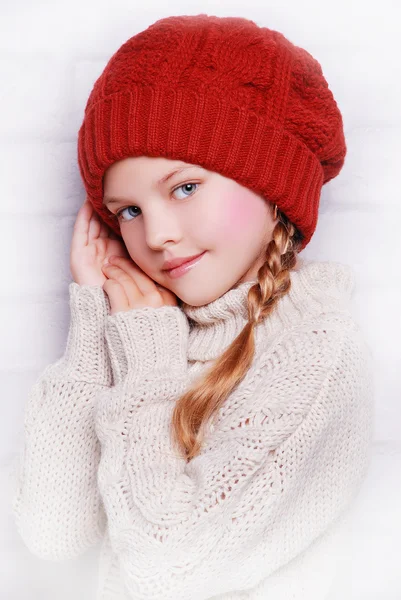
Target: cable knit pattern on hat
column 258, row 514
column 223, row 93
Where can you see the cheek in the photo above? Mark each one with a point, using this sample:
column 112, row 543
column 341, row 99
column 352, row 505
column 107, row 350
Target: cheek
column 240, row 216
column 135, row 245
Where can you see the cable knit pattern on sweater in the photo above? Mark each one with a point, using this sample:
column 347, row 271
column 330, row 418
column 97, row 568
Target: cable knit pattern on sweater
column 256, row 514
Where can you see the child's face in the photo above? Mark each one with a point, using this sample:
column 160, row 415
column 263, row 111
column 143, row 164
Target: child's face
column 175, row 219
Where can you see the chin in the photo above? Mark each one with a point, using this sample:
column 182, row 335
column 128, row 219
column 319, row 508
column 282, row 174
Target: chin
column 197, row 299
column 191, row 301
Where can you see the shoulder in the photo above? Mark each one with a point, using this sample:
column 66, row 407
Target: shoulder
column 317, row 372
column 327, row 337
column 317, row 290
column 334, row 280
column 327, row 355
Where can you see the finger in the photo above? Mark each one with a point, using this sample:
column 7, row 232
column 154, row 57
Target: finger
column 81, row 226
column 144, row 282
column 94, row 226
column 117, row 296
column 169, row 298
column 129, row 284
column 104, row 230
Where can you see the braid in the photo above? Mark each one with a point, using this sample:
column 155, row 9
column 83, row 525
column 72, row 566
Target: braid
column 194, row 409
column 273, row 276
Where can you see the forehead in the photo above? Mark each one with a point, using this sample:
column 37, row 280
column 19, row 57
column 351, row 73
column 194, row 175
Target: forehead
column 158, row 170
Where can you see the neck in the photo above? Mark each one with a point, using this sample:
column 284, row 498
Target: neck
column 215, row 325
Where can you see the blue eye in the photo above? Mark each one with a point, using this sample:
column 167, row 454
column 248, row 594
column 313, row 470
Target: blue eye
column 119, row 212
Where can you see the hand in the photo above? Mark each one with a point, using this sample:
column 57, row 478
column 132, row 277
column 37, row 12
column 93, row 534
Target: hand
column 92, row 242
column 128, row 287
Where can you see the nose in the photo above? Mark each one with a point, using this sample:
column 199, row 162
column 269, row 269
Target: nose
column 161, row 227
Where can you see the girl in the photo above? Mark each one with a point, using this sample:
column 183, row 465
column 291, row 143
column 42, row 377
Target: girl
column 213, row 422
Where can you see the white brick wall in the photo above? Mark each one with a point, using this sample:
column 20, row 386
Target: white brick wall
column 50, row 56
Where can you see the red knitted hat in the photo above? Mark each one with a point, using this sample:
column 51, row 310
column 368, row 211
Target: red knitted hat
column 223, row 93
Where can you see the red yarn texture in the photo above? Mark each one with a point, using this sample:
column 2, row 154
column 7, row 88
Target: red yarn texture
column 224, row 93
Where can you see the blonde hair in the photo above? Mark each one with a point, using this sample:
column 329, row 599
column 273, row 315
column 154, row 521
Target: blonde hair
column 195, row 408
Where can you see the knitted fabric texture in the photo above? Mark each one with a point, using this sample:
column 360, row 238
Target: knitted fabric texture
column 223, row 93
column 257, row 513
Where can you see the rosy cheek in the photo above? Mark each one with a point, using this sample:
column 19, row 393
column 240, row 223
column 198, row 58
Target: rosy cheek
column 239, row 217
column 238, row 220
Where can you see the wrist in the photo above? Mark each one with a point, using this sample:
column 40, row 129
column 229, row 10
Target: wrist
column 147, row 341
column 85, row 357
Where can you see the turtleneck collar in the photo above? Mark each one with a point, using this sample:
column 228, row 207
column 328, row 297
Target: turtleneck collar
column 314, row 286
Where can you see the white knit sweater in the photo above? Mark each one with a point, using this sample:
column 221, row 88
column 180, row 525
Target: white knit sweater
column 257, row 515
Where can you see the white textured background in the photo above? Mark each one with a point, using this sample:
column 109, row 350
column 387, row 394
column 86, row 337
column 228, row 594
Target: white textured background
column 51, row 53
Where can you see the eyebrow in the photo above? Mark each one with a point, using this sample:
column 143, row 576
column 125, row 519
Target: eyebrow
column 115, row 199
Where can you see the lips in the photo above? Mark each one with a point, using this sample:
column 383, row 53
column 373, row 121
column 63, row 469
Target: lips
column 177, row 262
column 185, row 266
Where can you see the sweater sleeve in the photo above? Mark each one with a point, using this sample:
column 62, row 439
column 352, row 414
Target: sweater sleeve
column 56, row 501
column 286, row 458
